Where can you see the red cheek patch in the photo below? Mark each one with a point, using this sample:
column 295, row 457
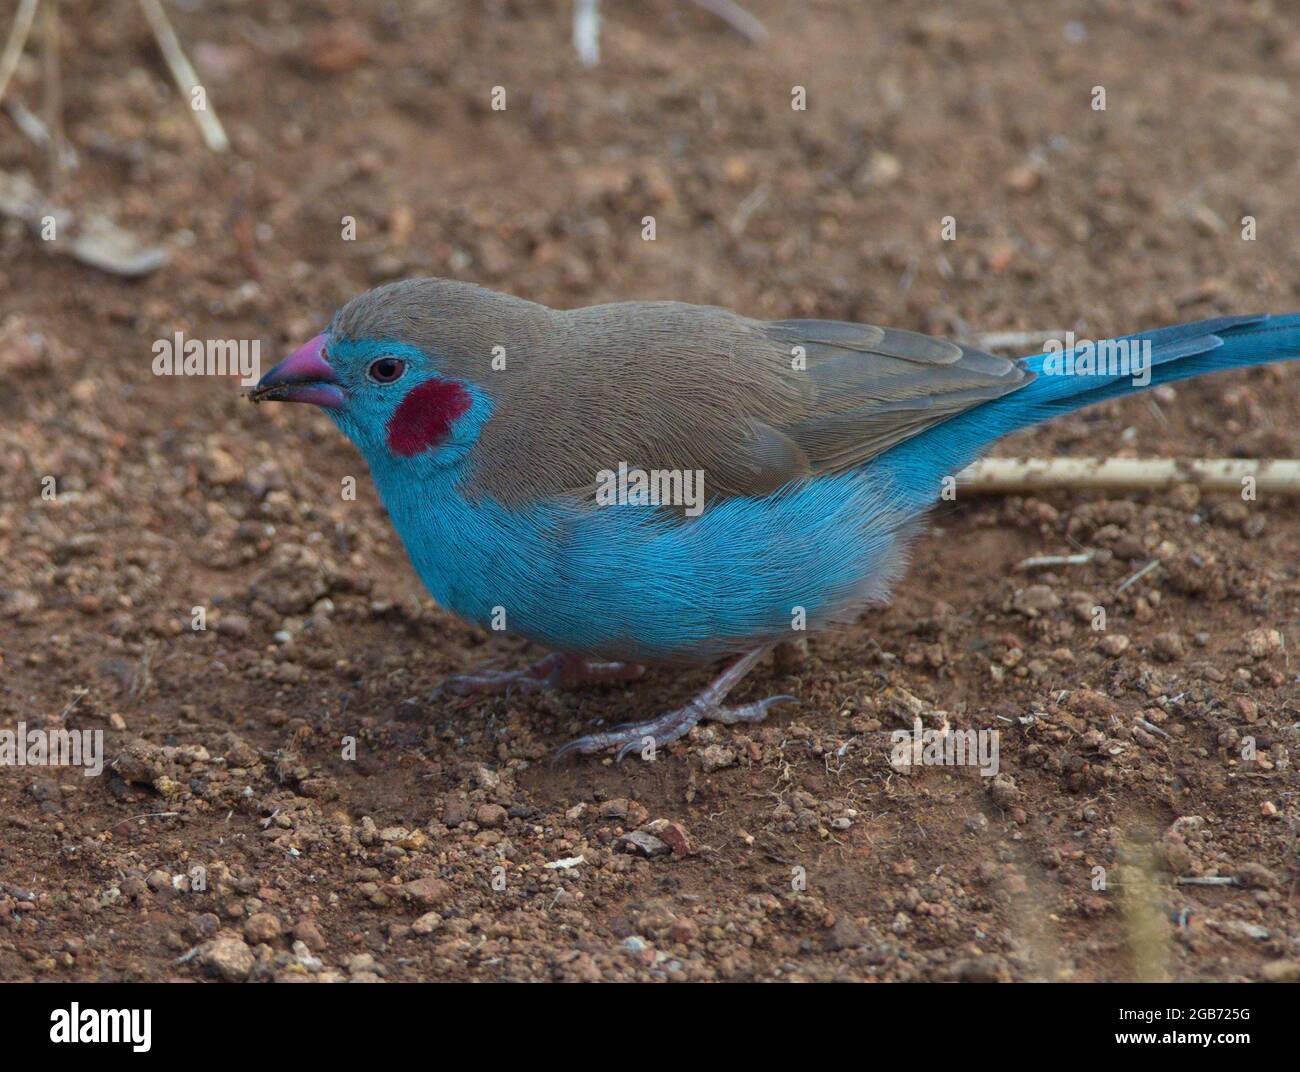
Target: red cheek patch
column 424, row 417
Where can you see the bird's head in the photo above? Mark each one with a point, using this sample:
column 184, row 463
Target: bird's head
column 400, row 369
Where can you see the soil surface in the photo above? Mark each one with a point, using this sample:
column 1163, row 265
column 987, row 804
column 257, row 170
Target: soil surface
column 237, row 834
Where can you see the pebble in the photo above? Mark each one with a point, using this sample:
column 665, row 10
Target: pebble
column 1114, row 644
column 1257, row 876
column 1003, row 790
column 672, row 834
column 1281, row 971
column 490, row 815
column 306, row 932
column 845, row 934
column 262, row 927
column 427, row 890
column 365, row 962
column 1168, row 647
column 1261, row 643
column 226, row 957
column 717, row 757
column 1035, row 600
column 640, row 843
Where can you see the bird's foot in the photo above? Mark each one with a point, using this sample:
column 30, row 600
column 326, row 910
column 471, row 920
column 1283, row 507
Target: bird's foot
column 555, row 671
column 706, row 707
column 650, row 735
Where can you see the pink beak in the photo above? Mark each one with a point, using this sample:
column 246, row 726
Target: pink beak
column 303, row 376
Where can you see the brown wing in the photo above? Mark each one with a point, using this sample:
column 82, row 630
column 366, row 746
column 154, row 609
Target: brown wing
column 661, row 385
column 875, row 387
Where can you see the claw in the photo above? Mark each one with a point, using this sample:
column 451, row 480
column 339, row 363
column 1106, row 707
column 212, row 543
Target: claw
column 629, row 747
column 665, row 729
column 553, row 672
column 627, row 737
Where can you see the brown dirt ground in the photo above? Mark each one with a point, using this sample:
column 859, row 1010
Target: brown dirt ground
column 175, row 493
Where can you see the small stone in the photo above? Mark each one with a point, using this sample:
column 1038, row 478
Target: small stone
column 881, row 170
column 490, row 815
column 1257, row 876
column 304, row 956
column 1280, row 971
column 236, row 625
column 427, row 890
column 455, row 810
column 672, row 834
column 403, row 838
column 1261, row 643
column 1023, row 179
column 639, row 843
column 716, row 757
column 229, row 958
column 1168, row 647
column 337, row 47
column 134, row 888
column 989, row 968
column 487, row 778
column 238, row 752
column 262, row 927
column 306, row 931
column 845, row 934
column 220, row 468
column 1035, row 600
column 632, row 812
column 1114, row 644
column 427, row 923
column 1003, row 790
column 363, row 962
column 204, row 925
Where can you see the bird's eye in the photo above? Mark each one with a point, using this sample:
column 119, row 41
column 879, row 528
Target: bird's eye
column 386, row 370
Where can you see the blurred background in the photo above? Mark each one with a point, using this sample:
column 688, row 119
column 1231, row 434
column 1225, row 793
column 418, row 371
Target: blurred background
column 174, row 492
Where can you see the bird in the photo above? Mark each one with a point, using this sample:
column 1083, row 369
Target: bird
column 661, row 483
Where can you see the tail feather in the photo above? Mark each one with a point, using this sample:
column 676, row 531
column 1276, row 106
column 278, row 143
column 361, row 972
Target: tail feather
column 1176, row 353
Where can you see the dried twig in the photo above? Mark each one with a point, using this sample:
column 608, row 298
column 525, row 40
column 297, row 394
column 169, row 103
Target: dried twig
column 1015, row 340
column 1152, row 728
column 747, row 208
column 1044, row 561
column 586, row 31
column 586, row 25
column 52, row 104
column 736, row 17
column 1002, row 475
column 17, row 41
column 32, row 125
column 214, row 134
column 1138, row 576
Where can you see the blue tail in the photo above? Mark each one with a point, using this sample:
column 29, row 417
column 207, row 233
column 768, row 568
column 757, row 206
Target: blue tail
column 1176, row 353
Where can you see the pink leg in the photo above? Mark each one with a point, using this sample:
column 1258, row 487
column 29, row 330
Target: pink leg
column 555, row 671
column 706, row 706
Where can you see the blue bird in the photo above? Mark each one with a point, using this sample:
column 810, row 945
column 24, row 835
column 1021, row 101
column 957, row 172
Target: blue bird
column 656, row 482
